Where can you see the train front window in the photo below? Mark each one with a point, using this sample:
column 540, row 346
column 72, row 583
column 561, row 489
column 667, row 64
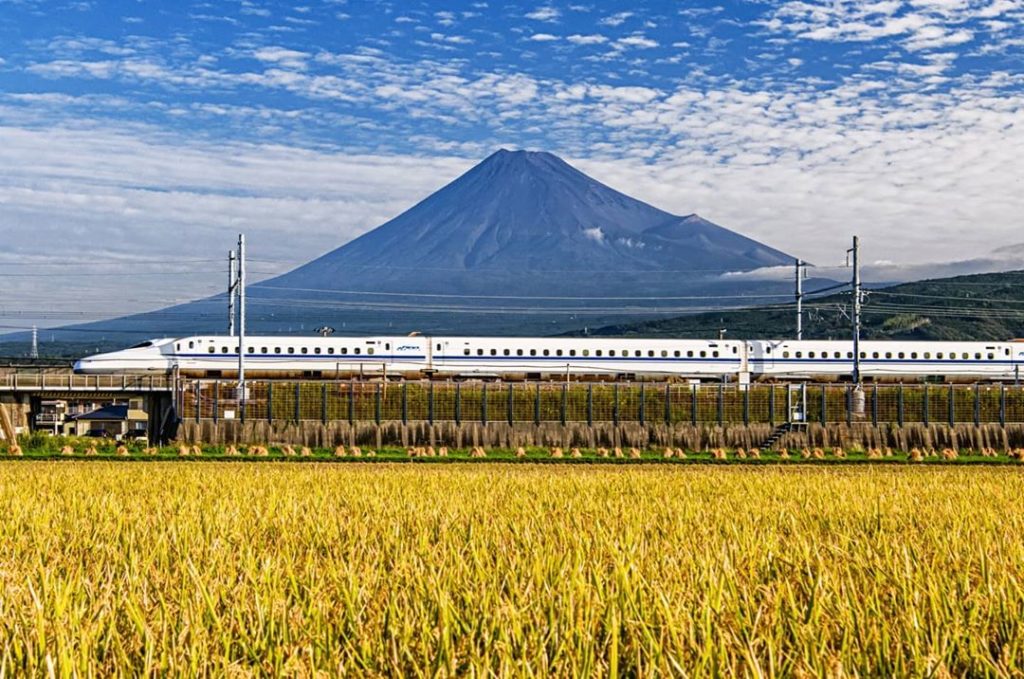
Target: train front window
column 142, row 345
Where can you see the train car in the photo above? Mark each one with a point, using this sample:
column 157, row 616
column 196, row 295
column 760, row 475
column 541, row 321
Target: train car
column 791, row 359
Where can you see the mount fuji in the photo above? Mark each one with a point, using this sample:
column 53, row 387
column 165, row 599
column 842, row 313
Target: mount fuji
column 522, row 243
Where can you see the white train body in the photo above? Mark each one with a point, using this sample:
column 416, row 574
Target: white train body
column 545, row 356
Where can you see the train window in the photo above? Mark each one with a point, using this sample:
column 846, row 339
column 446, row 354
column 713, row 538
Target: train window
column 263, row 350
column 715, row 353
column 888, row 354
column 611, row 352
column 991, row 356
column 344, row 350
column 507, row 352
column 597, row 353
column 305, row 350
column 494, row 352
column 533, row 352
column 439, row 347
column 251, row 350
column 369, row 350
column 330, row 350
column 689, row 354
column 479, row 352
column 799, row 354
column 547, row 352
column 838, row 354
column 676, row 353
column 977, row 356
column 965, row 356
column 649, row 352
column 849, row 354
column 735, row 350
column 558, row 352
column 223, row 350
column 586, row 352
column 466, row 351
column 927, row 354
column 572, row 352
column 291, row 350
column 901, row 355
column 913, row 354
column 519, row 352
column 703, row 354
column 211, row 350
column 178, row 346
column 874, row 354
column 191, row 345
column 785, row 354
column 355, row 350
column 940, row 355
column 664, row 353
column 387, row 346
column 810, row 354
column 277, row 350
column 316, row 350
column 864, row 354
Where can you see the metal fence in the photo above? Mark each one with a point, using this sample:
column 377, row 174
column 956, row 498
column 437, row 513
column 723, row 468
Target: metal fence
column 619, row 402
column 71, row 382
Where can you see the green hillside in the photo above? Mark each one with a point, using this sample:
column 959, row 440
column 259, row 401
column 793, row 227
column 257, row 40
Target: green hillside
column 976, row 307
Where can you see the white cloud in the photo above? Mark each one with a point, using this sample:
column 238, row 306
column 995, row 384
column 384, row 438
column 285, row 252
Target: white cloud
column 546, row 13
column 543, row 37
column 616, row 19
column 638, row 41
column 595, row 233
column 587, row 39
column 287, row 58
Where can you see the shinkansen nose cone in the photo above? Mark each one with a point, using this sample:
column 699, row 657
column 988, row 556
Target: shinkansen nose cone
column 146, row 357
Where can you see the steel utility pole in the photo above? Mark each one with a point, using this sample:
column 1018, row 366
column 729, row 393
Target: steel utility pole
column 855, row 256
column 800, row 299
column 231, row 294
column 241, row 323
column 34, row 352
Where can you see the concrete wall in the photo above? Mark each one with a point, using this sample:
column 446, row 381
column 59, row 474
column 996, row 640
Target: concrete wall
column 503, row 435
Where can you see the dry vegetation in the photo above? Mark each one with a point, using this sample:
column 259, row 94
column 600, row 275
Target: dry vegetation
column 539, row 570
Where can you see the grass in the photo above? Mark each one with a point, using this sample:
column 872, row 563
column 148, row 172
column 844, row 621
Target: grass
column 510, row 570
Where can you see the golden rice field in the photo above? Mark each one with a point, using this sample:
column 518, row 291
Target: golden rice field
column 469, row 569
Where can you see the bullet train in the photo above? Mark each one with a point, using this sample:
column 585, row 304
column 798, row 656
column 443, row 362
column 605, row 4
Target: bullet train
column 553, row 357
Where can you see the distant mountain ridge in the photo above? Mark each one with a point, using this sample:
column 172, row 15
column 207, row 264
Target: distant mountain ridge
column 522, row 243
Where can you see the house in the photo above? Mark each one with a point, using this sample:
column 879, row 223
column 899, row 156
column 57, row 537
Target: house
column 115, row 420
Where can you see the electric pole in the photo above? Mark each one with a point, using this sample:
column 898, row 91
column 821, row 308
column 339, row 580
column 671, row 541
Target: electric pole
column 855, row 256
column 231, row 294
column 799, row 299
column 34, row 352
column 241, row 324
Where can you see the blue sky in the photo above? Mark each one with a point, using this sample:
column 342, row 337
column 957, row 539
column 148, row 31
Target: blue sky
column 130, row 130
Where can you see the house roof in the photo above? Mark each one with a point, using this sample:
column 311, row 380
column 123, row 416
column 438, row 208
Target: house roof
column 116, row 411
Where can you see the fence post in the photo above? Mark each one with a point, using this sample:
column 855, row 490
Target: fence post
column 771, row 405
column 565, row 401
column 270, row 402
column 199, row 395
column 849, row 405
column 746, row 406
column 926, row 415
column 405, row 403
column 899, row 404
column 668, row 403
column 351, row 402
column 298, row 402
column 643, row 397
column 693, row 404
column 874, row 406
column 721, row 403
column 952, row 406
column 824, row 406
column 458, row 403
column 430, row 403
column 977, row 405
column 511, row 405
column 615, row 405
column 536, row 405
column 323, row 403
column 1002, row 404
column 590, row 405
column 376, row 405
column 216, row 399
column 483, row 403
